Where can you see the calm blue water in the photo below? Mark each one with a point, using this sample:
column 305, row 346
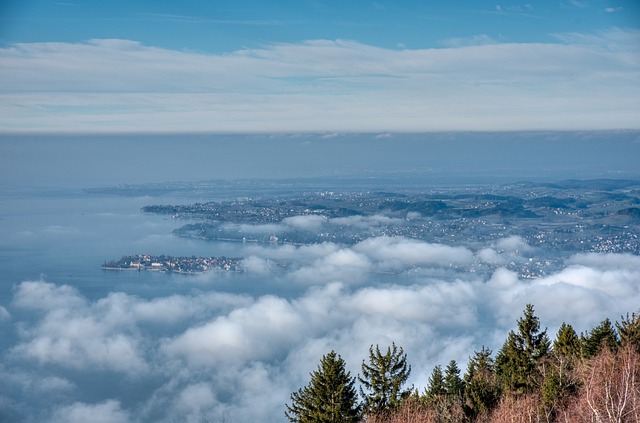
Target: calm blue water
column 63, row 237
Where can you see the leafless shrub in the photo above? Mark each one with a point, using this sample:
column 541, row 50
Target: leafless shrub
column 611, row 390
column 409, row 412
column 517, row 409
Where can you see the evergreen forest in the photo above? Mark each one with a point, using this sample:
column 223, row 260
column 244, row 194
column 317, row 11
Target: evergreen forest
column 591, row 377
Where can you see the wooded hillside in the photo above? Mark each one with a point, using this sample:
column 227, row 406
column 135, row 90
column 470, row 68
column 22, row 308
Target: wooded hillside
column 590, row 377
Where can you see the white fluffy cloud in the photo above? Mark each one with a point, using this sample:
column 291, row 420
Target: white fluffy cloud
column 75, row 333
column 36, row 295
column 4, row 314
column 266, row 328
column 122, row 85
column 513, row 244
column 106, row 412
column 72, row 333
column 389, row 250
column 329, row 262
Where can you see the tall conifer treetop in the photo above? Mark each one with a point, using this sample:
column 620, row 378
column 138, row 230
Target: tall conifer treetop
column 602, row 336
column 567, row 342
column 453, row 383
column 629, row 330
column 516, row 362
column 482, row 391
column 480, row 364
column 527, row 380
column 383, row 377
column 330, row 396
column 436, row 387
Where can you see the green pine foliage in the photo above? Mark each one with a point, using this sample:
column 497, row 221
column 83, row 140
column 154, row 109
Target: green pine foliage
column 436, row 387
column 516, row 362
column 444, row 393
column 559, row 386
column 481, row 364
column 482, row 390
column 560, row 381
column 629, row 330
column 383, row 379
column 453, row 383
column 330, row 396
column 602, row 336
column 527, row 380
column 567, row 342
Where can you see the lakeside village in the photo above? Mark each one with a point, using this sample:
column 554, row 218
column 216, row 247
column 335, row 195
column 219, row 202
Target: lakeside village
column 191, row 265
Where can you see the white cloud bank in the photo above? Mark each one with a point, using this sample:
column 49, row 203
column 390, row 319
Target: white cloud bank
column 107, row 412
column 210, row 355
column 584, row 81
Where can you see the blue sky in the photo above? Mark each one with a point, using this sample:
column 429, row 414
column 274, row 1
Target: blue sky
column 288, row 66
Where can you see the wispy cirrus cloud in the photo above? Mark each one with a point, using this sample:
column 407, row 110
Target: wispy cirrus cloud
column 578, row 4
column 202, row 20
column 476, row 40
column 515, row 9
column 584, row 81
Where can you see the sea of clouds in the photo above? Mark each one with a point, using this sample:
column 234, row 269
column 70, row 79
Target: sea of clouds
column 201, row 354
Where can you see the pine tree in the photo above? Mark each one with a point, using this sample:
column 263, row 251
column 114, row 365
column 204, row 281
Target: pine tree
column 517, row 361
column 603, row 335
column 443, row 394
column 629, row 330
column 453, row 383
column 480, row 363
column 560, row 381
column 482, row 391
column 436, row 387
column 330, row 396
column 567, row 342
column 383, row 379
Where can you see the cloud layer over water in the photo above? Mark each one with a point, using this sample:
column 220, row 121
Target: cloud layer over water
column 203, row 353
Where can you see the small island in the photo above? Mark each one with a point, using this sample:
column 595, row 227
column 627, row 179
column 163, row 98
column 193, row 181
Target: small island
column 164, row 263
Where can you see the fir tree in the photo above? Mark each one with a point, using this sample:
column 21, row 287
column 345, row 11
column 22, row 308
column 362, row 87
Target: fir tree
column 444, row 393
column 603, row 335
column 436, row 387
column 482, row 391
column 383, row 379
column 559, row 385
column 560, row 381
column 480, row 363
column 629, row 330
column 567, row 342
column 517, row 361
column 330, row 396
column 453, row 383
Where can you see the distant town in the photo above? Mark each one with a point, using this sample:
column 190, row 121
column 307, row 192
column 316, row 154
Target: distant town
column 556, row 219
column 164, row 263
column 595, row 215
